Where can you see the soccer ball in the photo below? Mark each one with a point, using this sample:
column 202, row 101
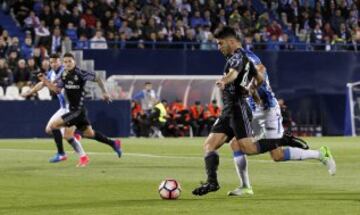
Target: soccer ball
column 169, row 189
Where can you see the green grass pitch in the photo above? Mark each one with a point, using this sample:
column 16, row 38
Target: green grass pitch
column 30, row 185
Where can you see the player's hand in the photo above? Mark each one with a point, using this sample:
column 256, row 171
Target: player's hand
column 220, row 84
column 107, row 97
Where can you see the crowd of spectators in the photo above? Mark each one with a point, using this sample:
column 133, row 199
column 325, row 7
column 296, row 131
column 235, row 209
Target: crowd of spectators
column 20, row 64
column 271, row 25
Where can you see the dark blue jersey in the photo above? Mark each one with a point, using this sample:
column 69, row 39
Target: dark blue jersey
column 73, row 83
column 236, row 89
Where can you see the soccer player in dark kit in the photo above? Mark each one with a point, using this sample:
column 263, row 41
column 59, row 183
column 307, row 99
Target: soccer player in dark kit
column 240, row 77
column 72, row 81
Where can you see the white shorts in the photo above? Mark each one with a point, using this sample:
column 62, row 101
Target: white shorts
column 267, row 123
column 56, row 115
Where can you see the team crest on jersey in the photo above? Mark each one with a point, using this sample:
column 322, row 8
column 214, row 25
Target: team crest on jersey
column 76, row 78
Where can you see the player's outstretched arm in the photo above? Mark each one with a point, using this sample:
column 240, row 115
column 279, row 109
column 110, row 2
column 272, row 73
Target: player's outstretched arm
column 52, row 86
column 101, row 84
column 33, row 90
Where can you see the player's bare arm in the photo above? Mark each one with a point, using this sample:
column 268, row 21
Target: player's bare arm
column 101, row 84
column 228, row 78
column 52, row 86
column 33, row 90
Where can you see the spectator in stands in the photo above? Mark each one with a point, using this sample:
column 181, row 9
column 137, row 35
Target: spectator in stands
column 38, row 56
column 197, row 121
column 45, row 66
column 285, row 44
column 98, row 41
column 344, row 33
column 191, row 40
column 316, row 37
column 56, row 41
column 46, row 15
column 84, row 30
column 71, row 32
column 42, row 34
column 21, row 75
column 21, row 9
column 3, row 48
column 328, row 31
column 63, row 14
column 5, row 74
column 14, row 46
column 82, row 43
column 354, row 43
column 27, row 48
column 274, row 30
column 31, row 22
column 12, row 60
column 89, row 18
column 273, row 44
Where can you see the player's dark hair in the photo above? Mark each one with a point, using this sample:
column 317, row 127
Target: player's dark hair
column 147, row 83
column 68, row 54
column 227, row 32
column 55, row 55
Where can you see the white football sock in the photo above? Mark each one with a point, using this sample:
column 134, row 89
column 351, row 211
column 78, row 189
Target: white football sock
column 241, row 166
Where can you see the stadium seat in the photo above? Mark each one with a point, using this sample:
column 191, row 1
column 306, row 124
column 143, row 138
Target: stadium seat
column 1, row 93
column 44, row 94
column 24, row 89
column 12, row 93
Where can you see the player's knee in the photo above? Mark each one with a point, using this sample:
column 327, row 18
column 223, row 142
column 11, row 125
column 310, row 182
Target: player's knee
column 48, row 130
column 67, row 136
column 89, row 133
column 277, row 157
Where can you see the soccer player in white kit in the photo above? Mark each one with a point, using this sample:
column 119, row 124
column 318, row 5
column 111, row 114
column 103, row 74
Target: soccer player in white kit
column 68, row 132
column 267, row 124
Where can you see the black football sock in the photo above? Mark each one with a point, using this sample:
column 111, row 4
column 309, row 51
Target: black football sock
column 211, row 165
column 102, row 138
column 58, row 140
column 266, row 145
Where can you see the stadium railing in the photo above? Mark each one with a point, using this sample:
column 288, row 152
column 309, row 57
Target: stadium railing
column 274, row 46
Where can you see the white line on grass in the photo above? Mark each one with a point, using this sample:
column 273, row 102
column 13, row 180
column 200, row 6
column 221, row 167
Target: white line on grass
column 149, row 155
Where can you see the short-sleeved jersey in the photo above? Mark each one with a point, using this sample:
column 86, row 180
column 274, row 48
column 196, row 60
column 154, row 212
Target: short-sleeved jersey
column 53, row 75
column 265, row 92
column 236, row 90
column 73, row 83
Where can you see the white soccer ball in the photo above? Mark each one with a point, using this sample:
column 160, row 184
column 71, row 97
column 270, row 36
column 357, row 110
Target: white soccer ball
column 169, row 189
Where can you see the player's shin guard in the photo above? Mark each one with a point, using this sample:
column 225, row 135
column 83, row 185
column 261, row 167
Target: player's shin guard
column 211, row 165
column 102, row 138
column 266, row 145
column 58, row 140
